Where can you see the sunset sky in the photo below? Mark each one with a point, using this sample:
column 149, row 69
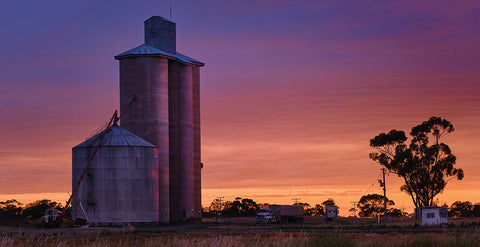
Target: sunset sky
column 291, row 93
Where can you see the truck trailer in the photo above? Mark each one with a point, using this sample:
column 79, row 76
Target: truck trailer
column 280, row 214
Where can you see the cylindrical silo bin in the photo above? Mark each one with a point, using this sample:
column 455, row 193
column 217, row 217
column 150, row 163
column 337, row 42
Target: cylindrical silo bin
column 186, row 175
column 197, row 165
column 174, row 139
column 144, row 109
column 121, row 185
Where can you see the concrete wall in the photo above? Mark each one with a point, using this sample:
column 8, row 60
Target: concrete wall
column 146, row 79
column 174, row 139
column 197, row 202
column 187, row 192
column 160, row 33
column 184, row 139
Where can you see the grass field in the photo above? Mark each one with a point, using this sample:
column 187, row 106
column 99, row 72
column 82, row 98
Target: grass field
column 242, row 232
column 124, row 238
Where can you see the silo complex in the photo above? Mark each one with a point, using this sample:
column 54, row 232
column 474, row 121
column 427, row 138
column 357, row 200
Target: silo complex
column 121, row 184
column 160, row 102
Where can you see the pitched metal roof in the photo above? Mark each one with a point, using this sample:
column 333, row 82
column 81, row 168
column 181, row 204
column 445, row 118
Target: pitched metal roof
column 161, row 18
column 147, row 50
column 116, row 136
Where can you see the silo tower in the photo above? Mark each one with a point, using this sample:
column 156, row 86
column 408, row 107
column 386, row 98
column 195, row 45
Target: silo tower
column 160, row 102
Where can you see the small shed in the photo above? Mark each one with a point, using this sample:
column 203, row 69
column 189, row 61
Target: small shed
column 331, row 212
column 432, row 216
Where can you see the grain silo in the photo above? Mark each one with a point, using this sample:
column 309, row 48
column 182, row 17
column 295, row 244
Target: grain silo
column 121, row 185
column 160, row 102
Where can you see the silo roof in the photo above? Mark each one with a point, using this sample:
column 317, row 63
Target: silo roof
column 161, row 18
column 116, row 136
column 147, row 50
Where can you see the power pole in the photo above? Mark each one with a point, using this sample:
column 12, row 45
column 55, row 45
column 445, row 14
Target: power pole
column 354, row 208
column 220, row 200
column 384, row 197
column 296, row 199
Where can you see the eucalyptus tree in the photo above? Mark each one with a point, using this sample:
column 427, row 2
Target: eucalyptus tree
column 372, row 205
column 426, row 164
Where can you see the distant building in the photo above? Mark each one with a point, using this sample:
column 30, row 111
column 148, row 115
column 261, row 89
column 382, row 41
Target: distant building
column 432, row 216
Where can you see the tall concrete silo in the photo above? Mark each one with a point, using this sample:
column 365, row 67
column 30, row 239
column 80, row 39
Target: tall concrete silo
column 160, row 102
column 144, row 89
column 121, row 184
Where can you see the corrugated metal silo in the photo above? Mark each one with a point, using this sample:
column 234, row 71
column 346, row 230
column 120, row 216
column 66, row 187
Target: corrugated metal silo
column 122, row 183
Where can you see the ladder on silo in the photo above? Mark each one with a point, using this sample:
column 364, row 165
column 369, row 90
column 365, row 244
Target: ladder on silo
column 112, row 119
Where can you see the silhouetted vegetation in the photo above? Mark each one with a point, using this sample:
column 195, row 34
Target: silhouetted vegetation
column 318, row 210
column 36, row 209
column 238, row 207
column 12, row 212
column 328, row 202
column 425, row 165
column 464, row 209
column 248, row 207
column 10, row 208
column 372, row 205
column 395, row 212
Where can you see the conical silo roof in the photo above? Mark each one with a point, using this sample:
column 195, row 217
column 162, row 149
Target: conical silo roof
column 150, row 51
column 116, row 137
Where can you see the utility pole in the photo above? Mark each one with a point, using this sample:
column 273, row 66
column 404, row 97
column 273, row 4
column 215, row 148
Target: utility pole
column 296, row 199
column 418, row 209
column 354, row 208
column 220, row 200
column 384, row 197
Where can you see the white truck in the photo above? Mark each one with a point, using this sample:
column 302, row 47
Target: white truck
column 280, row 214
column 51, row 219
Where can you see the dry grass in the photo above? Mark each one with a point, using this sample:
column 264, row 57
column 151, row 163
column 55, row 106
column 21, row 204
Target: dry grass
column 129, row 238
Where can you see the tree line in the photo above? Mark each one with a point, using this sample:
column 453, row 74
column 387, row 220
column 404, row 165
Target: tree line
column 34, row 210
column 248, row 207
column 372, row 205
column 368, row 206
